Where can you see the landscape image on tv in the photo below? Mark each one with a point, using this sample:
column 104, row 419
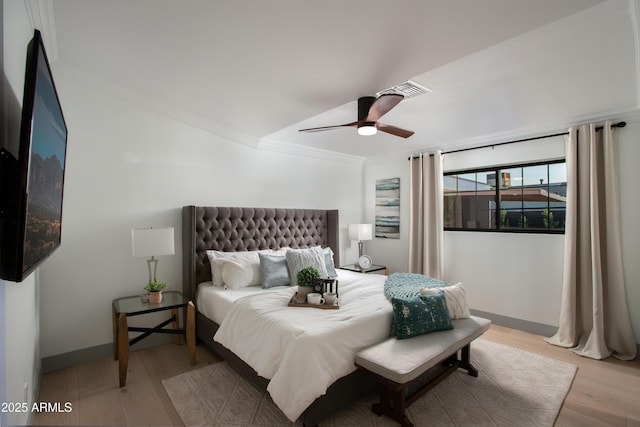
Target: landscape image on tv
column 46, row 171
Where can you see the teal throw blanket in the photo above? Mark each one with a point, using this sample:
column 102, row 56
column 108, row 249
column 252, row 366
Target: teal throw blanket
column 407, row 285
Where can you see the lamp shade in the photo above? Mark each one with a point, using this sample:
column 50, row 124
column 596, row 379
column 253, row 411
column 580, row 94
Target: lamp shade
column 360, row 231
column 152, row 241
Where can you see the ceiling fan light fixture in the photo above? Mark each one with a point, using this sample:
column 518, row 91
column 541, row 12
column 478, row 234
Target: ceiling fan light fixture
column 370, row 109
column 367, row 129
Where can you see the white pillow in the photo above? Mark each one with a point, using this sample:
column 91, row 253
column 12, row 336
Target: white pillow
column 279, row 252
column 456, row 300
column 237, row 275
column 250, row 258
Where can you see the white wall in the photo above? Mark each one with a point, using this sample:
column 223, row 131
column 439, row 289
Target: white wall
column 514, row 275
column 128, row 166
column 524, row 270
column 20, row 317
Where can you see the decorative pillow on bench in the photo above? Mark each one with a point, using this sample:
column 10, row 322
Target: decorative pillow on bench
column 420, row 315
column 456, row 300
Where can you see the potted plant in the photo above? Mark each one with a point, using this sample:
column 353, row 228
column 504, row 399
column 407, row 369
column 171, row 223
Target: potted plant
column 305, row 279
column 155, row 288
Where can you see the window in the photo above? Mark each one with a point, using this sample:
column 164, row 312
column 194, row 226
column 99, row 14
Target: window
column 521, row 198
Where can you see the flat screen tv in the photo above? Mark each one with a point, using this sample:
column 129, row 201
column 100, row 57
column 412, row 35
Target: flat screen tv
column 33, row 183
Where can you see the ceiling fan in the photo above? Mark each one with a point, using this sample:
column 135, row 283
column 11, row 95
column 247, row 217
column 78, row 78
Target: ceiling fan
column 370, row 109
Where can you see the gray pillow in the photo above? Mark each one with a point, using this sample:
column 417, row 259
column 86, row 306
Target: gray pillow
column 274, row 271
column 297, row 259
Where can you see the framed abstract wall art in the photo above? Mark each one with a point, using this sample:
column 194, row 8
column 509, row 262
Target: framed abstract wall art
column 388, row 208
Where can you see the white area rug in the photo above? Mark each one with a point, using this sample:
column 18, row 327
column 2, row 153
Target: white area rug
column 514, row 388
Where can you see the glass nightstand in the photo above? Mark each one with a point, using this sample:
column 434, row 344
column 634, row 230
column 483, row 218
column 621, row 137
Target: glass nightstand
column 135, row 306
column 373, row 269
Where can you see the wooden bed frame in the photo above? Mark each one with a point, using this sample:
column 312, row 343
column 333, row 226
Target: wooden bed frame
column 243, row 229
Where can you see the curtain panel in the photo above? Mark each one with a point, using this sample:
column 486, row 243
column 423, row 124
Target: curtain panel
column 426, row 232
column 594, row 317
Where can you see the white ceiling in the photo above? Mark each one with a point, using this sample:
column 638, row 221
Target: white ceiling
column 264, row 69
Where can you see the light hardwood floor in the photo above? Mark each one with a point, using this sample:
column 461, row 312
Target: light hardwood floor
column 604, row 393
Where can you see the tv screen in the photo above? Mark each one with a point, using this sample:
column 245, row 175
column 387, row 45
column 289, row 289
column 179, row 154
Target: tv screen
column 34, row 184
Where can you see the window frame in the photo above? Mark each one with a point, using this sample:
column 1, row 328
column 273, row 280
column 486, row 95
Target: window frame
column 496, row 170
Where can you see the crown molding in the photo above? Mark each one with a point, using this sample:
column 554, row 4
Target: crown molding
column 150, row 104
column 40, row 14
column 268, row 144
column 627, row 114
column 157, row 106
column 630, row 115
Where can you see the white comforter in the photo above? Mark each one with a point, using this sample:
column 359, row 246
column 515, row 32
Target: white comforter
column 302, row 351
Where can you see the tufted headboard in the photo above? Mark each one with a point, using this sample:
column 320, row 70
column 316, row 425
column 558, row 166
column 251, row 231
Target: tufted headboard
column 246, row 229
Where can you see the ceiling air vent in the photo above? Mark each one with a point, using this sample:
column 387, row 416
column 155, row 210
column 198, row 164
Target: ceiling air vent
column 407, row 89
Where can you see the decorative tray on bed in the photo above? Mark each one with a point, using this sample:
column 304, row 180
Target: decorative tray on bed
column 293, row 303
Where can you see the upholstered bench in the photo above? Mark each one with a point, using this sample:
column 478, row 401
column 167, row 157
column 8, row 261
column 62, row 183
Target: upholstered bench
column 398, row 365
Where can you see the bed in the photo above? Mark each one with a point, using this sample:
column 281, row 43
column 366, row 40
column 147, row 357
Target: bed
column 253, row 229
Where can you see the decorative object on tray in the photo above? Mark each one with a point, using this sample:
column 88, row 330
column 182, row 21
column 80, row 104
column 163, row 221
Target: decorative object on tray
column 155, row 288
column 298, row 299
column 330, row 298
column 315, row 298
column 306, row 278
column 325, row 284
column 296, row 302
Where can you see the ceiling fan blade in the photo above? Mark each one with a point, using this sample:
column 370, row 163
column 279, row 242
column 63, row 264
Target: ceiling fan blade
column 318, row 129
column 383, row 105
column 394, row 130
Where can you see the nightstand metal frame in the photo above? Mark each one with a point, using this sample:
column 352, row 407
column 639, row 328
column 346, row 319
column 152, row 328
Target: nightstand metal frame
column 134, row 306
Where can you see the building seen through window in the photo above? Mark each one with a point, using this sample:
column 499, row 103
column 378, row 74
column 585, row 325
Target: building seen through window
column 530, row 198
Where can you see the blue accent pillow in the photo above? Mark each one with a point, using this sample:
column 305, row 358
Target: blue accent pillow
column 274, row 271
column 420, row 315
column 328, row 261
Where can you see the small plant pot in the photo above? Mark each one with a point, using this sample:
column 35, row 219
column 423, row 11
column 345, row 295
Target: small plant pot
column 155, row 297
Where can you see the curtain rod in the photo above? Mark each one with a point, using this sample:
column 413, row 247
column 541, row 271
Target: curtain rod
column 615, row 125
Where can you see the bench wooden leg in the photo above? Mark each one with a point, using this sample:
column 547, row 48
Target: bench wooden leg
column 396, row 411
column 382, row 407
column 465, row 362
column 393, row 399
column 399, row 407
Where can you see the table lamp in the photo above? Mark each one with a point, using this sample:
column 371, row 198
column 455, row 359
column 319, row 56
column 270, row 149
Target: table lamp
column 360, row 232
column 152, row 242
